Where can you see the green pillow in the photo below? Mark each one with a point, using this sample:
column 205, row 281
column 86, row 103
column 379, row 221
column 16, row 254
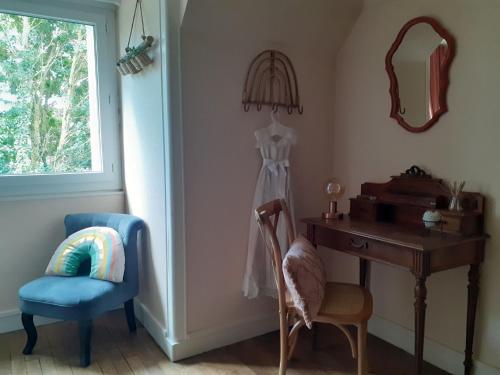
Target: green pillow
column 102, row 245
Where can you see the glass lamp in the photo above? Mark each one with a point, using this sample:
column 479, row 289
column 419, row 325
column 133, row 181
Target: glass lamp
column 333, row 190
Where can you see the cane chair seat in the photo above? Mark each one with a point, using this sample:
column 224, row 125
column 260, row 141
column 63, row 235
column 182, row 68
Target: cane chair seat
column 346, row 303
column 343, row 303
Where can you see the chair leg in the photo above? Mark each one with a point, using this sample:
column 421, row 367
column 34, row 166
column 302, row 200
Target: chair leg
column 31, row 334
column 362, row 358
column 130, row 314
column 85, row 328
column 293, row 336
column 283, row 344
column 352, row 343
column 315, row 336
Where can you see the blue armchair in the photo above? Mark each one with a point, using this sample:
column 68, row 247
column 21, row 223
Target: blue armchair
column 81, row 298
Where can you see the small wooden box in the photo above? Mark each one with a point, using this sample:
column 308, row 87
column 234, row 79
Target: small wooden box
column 363, row 209
column 465, row 223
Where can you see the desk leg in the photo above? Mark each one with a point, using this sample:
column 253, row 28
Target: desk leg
column 363, row 271
column 420, row 306
column 473, row 293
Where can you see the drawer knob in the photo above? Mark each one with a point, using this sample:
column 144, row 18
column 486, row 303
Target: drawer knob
column 359, row 244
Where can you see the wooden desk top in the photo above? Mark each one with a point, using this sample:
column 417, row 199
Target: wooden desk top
column 415, row 239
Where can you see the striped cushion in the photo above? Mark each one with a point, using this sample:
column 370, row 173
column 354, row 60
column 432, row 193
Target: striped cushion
column 102, row 245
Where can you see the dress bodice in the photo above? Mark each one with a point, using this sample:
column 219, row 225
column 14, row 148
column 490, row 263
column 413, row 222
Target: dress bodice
column 275, row 146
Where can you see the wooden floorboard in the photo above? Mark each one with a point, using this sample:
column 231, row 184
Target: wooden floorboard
column 117, row 352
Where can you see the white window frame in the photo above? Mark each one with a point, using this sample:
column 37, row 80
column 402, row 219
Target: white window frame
column 102, row 17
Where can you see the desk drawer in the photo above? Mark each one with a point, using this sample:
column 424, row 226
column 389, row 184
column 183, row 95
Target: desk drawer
column 363, row 247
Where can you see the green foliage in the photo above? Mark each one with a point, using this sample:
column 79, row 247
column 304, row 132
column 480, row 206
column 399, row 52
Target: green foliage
column 44, row 96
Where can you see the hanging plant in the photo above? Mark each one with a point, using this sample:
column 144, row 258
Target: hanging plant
column 136, row 58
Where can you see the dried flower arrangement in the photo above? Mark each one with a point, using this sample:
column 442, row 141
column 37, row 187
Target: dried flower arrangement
column 455, row 190
column 136, row 58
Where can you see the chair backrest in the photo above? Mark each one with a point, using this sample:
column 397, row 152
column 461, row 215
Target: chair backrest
column 127, row 226
column 267, row 217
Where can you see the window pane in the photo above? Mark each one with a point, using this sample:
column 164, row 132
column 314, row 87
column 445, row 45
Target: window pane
column 48, row 97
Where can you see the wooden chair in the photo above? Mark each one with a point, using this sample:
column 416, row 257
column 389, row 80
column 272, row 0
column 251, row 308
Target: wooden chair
column 343, row 304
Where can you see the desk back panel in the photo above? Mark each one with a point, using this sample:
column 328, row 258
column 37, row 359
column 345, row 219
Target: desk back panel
column 404, row 199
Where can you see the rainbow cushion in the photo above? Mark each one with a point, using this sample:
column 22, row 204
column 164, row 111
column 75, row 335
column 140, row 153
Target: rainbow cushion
column 102, row 245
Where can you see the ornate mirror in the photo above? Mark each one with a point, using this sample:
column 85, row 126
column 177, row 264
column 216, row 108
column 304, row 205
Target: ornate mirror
column 418, row 64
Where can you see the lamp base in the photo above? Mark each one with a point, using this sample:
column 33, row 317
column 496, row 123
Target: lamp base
column 332, row 215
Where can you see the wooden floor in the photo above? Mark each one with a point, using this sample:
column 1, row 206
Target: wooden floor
column 115, row 351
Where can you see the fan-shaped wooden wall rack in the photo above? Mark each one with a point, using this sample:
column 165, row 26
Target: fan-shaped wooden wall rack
column 271, row 81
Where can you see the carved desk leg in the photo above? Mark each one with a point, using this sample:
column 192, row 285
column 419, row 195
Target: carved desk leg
column 310, row 234
column 363, row 272
column 472, row 297
column 421, row 269
column 420, row 306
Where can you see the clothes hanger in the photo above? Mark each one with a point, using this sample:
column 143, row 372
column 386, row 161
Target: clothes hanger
column 276, row 128
column 273, row 119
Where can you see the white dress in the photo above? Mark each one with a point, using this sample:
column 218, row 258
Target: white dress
column 274, row 142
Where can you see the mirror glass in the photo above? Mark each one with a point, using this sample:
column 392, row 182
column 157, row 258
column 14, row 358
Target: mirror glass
column 419, row 65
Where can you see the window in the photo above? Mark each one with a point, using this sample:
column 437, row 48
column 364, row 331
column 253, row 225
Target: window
column 58, row 115
column 48, row 101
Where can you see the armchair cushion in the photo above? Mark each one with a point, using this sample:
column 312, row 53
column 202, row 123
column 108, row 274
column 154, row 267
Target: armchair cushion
column 101, row 244
column 70, row 298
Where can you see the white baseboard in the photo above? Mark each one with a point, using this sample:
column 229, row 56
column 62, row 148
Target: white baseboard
column 155, row 329
column 438, row 354
column 204, row 340
column 10, row 320
column 212, row 338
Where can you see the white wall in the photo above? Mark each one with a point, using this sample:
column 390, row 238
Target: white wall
column 369, row 146
column 31, row 229
column 219, row 38
column 144, row 160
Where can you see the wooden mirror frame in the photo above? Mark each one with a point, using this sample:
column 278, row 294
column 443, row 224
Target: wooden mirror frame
column 444, row 78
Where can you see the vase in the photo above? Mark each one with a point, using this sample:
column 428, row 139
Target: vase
column 455, row 204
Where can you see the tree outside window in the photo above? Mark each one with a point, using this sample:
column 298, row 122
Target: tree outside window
column 48, row 97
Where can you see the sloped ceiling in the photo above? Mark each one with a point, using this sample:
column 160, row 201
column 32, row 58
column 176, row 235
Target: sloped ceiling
column 318, row 23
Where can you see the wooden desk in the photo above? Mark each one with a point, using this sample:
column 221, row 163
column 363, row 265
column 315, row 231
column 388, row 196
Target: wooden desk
column 420, row 251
